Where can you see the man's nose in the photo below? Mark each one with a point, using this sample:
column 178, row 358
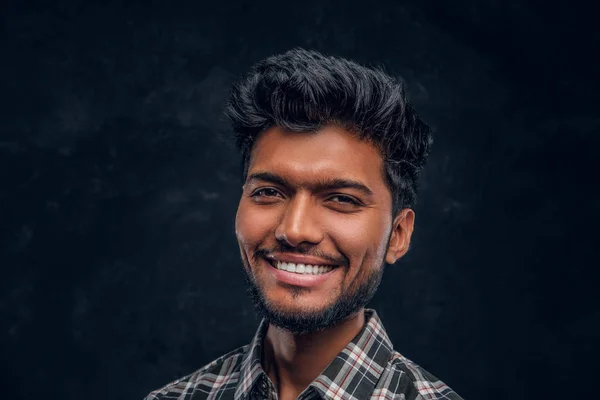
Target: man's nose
column 299, row 223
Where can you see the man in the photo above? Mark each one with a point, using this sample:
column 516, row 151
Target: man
column 331, row 154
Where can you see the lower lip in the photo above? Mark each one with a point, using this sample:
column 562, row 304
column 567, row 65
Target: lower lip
column 303, row 280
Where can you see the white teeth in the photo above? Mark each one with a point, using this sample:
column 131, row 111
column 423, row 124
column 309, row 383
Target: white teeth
column 304, row 269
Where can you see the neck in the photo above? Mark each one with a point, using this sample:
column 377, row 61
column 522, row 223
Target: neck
column 293, row 361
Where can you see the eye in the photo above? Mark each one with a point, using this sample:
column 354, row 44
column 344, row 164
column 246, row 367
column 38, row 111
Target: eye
column 265, row 192
column 345, row 200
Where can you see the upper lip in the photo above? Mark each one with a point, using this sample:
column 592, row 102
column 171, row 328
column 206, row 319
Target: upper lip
column 298, row 259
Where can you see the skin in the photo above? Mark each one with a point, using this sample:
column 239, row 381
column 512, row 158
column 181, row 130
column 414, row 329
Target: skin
column 343, row 224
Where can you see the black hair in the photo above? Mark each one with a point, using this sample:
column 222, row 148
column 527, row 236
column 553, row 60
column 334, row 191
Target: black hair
column 304, row 90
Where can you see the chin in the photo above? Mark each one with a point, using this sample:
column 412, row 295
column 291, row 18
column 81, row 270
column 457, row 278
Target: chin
column 305, row 319
column 288, row 315
column 298, row 310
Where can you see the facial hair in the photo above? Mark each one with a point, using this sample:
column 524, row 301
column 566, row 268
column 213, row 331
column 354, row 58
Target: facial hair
column 347, row 304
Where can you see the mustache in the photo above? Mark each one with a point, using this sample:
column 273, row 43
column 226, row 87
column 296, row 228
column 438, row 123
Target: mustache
column 337, row 260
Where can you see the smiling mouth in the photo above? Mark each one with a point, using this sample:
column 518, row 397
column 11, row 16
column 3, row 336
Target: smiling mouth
column 301, row 269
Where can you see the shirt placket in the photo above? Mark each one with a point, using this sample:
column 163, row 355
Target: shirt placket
column 266, row 390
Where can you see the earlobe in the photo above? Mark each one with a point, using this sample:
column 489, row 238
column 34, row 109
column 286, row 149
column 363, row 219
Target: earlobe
column 402, row 229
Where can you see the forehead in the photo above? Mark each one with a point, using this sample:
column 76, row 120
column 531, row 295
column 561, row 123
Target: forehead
column 331, row 152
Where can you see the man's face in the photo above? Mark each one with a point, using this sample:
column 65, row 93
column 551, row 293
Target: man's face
column 316, row 199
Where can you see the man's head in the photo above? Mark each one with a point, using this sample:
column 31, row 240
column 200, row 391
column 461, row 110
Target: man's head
column 331, row 153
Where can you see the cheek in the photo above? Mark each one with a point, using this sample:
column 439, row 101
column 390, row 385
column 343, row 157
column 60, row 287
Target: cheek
column 251, row 226
column 362, row 239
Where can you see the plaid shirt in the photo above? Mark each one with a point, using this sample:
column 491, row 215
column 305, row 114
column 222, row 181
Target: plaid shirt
column 367, row 368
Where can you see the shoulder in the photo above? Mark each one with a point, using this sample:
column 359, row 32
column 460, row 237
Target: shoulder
column 220, row 374
column 404, row 377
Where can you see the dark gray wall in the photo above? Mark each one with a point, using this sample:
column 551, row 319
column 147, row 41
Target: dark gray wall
column 120, row 270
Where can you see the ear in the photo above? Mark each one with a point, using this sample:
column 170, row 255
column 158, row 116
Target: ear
column 402, row 229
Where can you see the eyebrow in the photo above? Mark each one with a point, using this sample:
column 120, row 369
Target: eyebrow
column 321, row 185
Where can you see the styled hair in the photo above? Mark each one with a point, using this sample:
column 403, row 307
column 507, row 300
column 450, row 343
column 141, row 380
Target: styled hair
column 304, row 90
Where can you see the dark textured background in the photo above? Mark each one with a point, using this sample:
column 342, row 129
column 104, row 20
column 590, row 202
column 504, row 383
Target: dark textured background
column 120, row 270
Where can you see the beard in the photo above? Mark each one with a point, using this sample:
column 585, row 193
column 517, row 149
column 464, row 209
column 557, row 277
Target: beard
column 347, row 304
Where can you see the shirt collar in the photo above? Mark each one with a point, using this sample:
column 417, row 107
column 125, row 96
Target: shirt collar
column 353, row 374
column 251, row 370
